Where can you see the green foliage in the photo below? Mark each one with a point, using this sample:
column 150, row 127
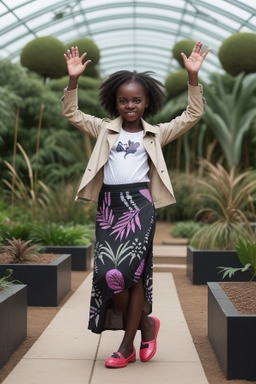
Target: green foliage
column 188, row 202
column 185, row 46
column 230, row 112
column 14, row 230
column 6, row 281
column 18, row 249
column 186, row 229
column 246, row 250
column 237, row 53
column 63, row 208
column 31, row 195
column 176, row 83
column 88, row 46
column 85, row 83
column 231, row 195
column 56, row 234
column 44, row 55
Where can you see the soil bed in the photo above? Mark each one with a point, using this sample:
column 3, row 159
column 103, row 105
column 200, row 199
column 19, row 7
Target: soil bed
column 242, row 295
column 42, row 258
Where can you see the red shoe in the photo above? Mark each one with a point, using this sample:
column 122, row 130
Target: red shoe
column 118, row 361
column 148, row 348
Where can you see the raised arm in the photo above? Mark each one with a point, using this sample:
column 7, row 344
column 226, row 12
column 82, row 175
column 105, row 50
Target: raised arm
column 194, row 61
column 75, row 66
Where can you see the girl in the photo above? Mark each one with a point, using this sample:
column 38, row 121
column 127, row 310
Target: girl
column 128, row 177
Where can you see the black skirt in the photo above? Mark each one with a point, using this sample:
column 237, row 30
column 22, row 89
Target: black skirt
column 123, row 251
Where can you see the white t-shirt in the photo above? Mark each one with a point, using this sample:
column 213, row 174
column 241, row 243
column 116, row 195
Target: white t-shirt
column 128, row 160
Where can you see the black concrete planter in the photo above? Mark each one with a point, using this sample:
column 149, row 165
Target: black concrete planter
column 202, row 265
column 47, row 284
column 13, row 320
column 232, row 335
column 81, row 255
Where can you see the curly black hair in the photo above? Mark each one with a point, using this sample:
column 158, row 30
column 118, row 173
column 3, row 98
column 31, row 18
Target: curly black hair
column 153, row 89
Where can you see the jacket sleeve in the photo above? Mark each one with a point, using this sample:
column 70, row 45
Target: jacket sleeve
column 86, row 123
column 181, row 124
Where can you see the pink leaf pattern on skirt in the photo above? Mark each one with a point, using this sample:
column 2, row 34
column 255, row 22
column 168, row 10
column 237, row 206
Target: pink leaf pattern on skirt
column 139, row 271
column 146, row 193
column 105, row 215
column 115, row 280
column 126, row 223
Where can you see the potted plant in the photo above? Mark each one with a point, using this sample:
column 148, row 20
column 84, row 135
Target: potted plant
column 231, row 331
column 68, row 239
column 48, row 283
column 13, row 315
column 228, row 216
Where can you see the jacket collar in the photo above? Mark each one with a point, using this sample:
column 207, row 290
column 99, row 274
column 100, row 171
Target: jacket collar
column 116, row 124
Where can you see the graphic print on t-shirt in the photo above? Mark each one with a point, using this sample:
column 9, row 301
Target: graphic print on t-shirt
column 131, row 147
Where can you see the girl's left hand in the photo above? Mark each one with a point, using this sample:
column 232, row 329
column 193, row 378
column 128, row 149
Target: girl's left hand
column 195, row 60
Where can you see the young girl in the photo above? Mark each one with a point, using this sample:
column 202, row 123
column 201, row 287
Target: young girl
column 128, row 177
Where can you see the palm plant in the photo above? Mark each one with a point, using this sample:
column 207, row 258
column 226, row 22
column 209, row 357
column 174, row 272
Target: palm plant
column 246, row 250
column 231, row 196
column 18, row 249
column 230, row 111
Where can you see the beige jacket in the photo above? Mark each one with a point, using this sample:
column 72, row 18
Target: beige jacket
column 107, row 131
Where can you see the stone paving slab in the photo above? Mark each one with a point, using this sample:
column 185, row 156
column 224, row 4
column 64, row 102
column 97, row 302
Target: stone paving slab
column 67, row 353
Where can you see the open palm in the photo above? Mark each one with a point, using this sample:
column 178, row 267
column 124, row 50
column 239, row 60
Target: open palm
column 75, row 63
column 195, row 60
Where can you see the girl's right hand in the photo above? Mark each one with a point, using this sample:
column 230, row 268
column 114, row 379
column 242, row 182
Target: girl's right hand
column 75, row 63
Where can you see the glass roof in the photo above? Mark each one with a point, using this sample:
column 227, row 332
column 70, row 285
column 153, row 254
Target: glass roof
column 131, row 34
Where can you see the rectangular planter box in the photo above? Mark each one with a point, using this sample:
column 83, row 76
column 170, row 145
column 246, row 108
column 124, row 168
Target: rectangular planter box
column 47, row 284
column 81, row 256
column 232, row 335
column 13, row 320
column 202, row 265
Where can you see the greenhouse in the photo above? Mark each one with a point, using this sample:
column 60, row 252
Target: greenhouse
column 163, row 94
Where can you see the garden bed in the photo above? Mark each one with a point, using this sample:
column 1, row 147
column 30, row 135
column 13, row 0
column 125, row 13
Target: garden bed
column 202, row 266
column 47, row 283
column 231, row 332
column 81, row 255
column 13, row 319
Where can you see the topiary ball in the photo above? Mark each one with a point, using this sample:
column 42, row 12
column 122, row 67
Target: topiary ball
column 88, row 46
column 176, row 83
column 44, row 55
column 238, row 54
column 83, row 83
column 185, row 46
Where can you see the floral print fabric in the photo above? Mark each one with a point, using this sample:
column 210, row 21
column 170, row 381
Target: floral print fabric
column 125, row 225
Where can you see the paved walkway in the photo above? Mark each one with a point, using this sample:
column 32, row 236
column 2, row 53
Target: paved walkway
column 67, row 353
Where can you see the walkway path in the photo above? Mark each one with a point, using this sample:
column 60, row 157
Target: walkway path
column 67, row 353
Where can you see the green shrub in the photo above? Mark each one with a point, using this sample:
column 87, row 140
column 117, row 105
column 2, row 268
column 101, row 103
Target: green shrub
column 237, row 53
column 56, row 234
column 185, row 46
column 44, row 55
column 188, row 202
column 232, row 195
column 185, row 229
column 88, row 46
column 86, row 83
column 176, row 83
column 16, row 230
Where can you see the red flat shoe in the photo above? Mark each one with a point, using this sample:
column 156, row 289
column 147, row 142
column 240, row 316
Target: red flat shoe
column 148, row 348
column 118, row 361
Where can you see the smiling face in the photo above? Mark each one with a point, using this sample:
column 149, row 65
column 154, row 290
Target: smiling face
column 131, row 101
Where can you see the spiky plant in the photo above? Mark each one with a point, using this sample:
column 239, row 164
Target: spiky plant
column 230, row 196
column 18, row 249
